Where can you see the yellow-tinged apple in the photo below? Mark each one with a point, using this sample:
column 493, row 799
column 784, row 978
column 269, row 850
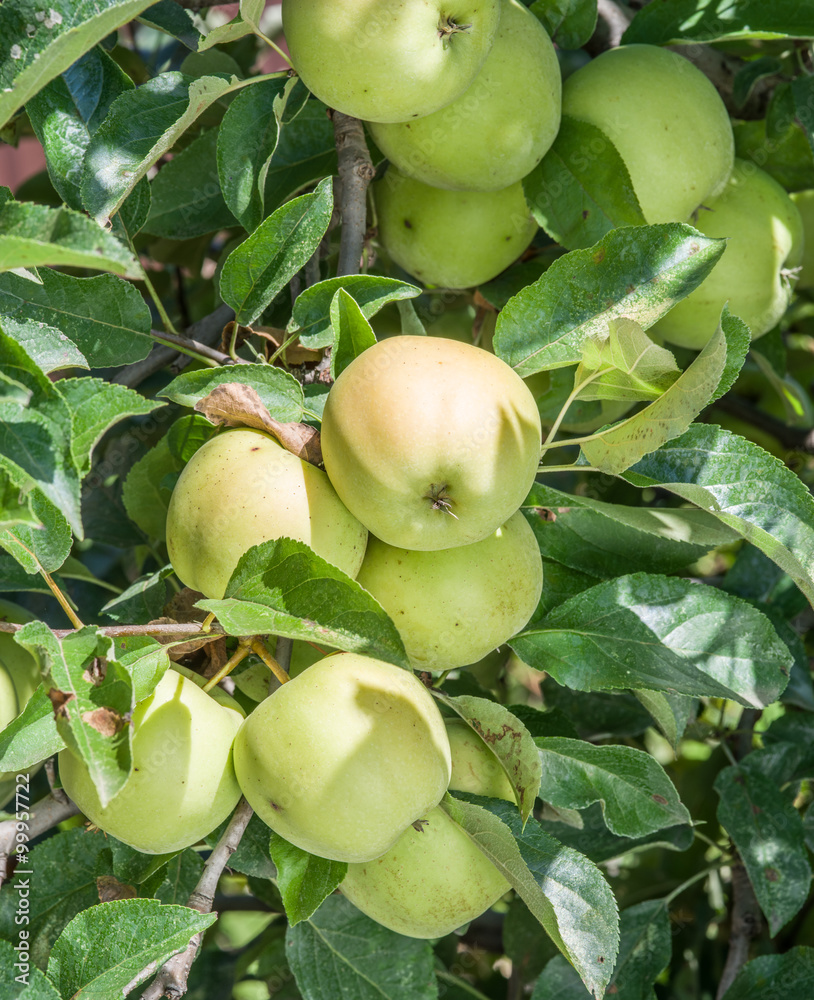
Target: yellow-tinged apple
column 452, row 606
column 19, row 678
column 474, row 767
column 804, row 200
column 389, row 60
column 665, row 118
column 754, row 275
column 500, row 128
column 343, row 757
column 454, row 239
column 431, row 443
column 241, row 488
column 183, row 781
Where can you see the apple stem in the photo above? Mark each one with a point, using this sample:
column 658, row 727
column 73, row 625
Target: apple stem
column 239, row 654
column 259, row 647
column 448, row 27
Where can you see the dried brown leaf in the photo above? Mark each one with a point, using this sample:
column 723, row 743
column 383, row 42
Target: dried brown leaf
column 104, row 720
column 110, row 888
column 59, row 699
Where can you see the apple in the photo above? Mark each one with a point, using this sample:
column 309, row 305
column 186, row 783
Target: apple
column 431, row 443
column 343, row 757
column 804, row 200
column 183, row 781
column 765, row 239
column 434, row 878
column 19, row 678
column 389, row 60
column 452, row 606
column 500, row 128
column 665, row 118
column 474, row 767
column 242, row 488
column 455, row 239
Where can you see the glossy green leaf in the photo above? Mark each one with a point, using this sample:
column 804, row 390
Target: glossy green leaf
column 166, row 15
column 143, row 601
column 48, row 347
column 636, row 795
column 663, row 634
column 257, row 270
column 638, row 272
column 569, row 22
column 745, row 487
column 283, row 587
column 31, row 737
column 63, row 32
column 303, row 879
column 678, row 21
column 341, row 952
column 34, row 987
column 761, row 978
column 353, row 333
column 581, row 189
column 304, row 154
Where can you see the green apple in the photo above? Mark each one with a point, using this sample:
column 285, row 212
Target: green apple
column 429, row 442
column 242, row 488
column 474, row 767
column 19, row 678
column 343, row 757
column 765, row 234
column 804, row 200
column 665, row 118
column 389, row 60
column 183, row 781
column 500, row 128
column 455, row 239
column 434, row 878
column 452, row 606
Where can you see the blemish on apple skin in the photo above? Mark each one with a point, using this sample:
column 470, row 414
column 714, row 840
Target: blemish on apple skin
column 274, row 806
column 408, row 224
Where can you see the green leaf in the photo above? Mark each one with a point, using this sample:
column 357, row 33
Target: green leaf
column 34, row 987
column 48, row 348
column 257, row 270
column 145, row 498
column 664, row 24
column 581, row 189
column 797, row 407
column 242, row 24
column 283, row 587
column 562, row 888
column 252, row 856
column 35, row 548
column 279, row 392
column 35, row 235
column 143, row 601
column 509, row 741
column 738, row 341
column 311, row 317
column 352, row 332
column 341, row 952
column 788, row 158
column 186, row 197
column 802, row 90
column 624, row 363
column 662, row 634
column 32, row 736
column 639, row 272
column 115, row 946
column 569, row 22
column 744, row 487
column 104, row 316
column 15, row 504
column 768, row 833
column 304, row 880
column 141, row 126
column 95, row 406
column 636, row 795
column 671, row 712
column 93, row 698
column 248, row 137
column 63, row 33
column 145, row 659
column 305, row 153
column 761, row 978
column 667, row 417
column 174, row 20
column 751, row 73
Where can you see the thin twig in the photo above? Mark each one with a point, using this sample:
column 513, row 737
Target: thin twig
column 194, row 347
column 171, row 980
column 745, row 927
column 44, row 815
column 170, row 629
column 355, row 172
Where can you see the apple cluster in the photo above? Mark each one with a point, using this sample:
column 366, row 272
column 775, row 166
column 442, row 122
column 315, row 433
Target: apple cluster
column 19, row 678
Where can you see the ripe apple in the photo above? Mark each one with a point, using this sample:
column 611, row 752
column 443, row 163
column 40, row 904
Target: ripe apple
column 666, row 120
column 183, row 781
column 389, row 60
column 344, row 756
column 454, row 239
column 474, row 767
column 765, row 237
column 19, row 678
column 804, row 200
column 434, row 878
column 242, row 488
column 429, row 442
column 499, row 128
column 452, row 606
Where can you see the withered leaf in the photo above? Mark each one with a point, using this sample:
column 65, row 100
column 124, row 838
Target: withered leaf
column 104, row 720
column 96, row 672
column 110, row 888
column 236, row 405
column 59, row 699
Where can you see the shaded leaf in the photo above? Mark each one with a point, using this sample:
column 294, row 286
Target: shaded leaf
column 662, row 24
column 569, row 22
column 304, row 880
column 352, row 332
column 279, row 392
column 624, row 363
